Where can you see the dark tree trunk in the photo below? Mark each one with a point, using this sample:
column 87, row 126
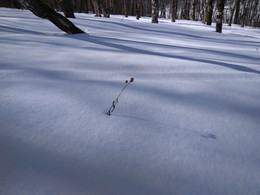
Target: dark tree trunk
column 97, row 8
column 132, row 7
column 237, row 13
column 194, row 3
column 125, row 10
column 41, row 10
column 203, row 11
column 209, row 12
column 174, row 10
column 67, row 8
column 232, row 11
column 186, row 10
column 219, row 17
column 162, row 11
column 244, row 13
column 105, row 10
column 111, row 4
column 155, row 8
column 138, row 9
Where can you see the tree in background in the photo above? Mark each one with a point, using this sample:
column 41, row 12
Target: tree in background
column 138, row 9
column 250, row 13
column 155, row 8
column 97, row 8
column 219, row 16
column 233, row 10
column 186, row 10
column 174, row 10
column 194, row 3
column 125, row 8
column 244, row 12
column 67, row 8
column 209, row 12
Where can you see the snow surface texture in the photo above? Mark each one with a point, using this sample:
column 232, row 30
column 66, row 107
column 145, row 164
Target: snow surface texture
column 188, row 124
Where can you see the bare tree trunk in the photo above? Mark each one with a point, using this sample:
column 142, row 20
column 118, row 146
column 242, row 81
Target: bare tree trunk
column 97, row 8
column 186, row 10
column 162, row 11
column 174, row 10
column 67, row 8
column 237, row 12
column 155, row 8
column 255, row 14
column 194, row 3
column 203, row 10
column 219, row 17
column 209, row 12
column 138, row 9
column 244, row 13
column 41, row 10
column 232, row 11
column 111, row 6
column 125, row 10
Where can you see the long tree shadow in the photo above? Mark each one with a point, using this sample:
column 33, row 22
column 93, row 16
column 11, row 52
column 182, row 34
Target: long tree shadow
column 124, row 46
column 167, row 31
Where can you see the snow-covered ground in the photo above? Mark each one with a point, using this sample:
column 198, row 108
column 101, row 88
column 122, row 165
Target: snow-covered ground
column 188, row 124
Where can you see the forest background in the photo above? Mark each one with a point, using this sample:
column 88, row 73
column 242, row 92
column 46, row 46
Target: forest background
column 243, row 12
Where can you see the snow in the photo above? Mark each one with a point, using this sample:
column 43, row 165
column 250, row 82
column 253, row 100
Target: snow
column 188, row 124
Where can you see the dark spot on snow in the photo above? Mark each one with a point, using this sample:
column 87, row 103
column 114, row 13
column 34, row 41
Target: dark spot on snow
column 212, row 136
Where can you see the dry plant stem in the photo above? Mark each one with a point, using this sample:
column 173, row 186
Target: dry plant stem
column 114, row 103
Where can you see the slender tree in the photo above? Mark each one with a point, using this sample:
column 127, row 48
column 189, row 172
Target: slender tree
column 97, row 8
column 209, row 12
column 186, row 10
column 155, row 8
column 255, row 16
column 244, row 13
column 41, row 10
column 194, row 3
column 125, row 10
column 67, row 8
column 174, row 10
column 219, row 16
column 232, row 11
column 203, row 10
column 237, row 12
column 138, row 9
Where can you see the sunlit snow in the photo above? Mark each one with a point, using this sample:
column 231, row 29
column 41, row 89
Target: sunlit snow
column 188, row 125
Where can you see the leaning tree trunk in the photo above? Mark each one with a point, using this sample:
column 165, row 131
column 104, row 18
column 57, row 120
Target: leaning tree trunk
column 155, row 8
column 219, row 18
column 41, row 10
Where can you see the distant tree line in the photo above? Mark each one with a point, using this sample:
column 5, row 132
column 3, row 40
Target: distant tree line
column 243, row 12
